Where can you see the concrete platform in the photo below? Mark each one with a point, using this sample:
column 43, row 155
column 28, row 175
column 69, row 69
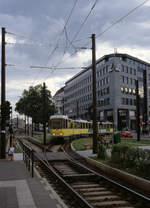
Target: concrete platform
column 19, row 190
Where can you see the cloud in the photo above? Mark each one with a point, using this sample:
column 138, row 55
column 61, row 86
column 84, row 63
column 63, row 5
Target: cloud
column 38, row 27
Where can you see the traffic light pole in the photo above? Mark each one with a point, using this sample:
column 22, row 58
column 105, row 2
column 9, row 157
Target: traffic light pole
column 94, row 95
column 3, row 120
column 44, row 119
column 145, row 116
column 137, row 111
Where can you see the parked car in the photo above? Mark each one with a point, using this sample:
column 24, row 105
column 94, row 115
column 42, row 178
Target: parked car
column 126, row 134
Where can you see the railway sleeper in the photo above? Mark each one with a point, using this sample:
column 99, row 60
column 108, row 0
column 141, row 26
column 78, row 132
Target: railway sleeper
column 102, row 198
column 97, row 193
column 79, row 175
column 111, row 203
column 85, row 185
column 102, row 189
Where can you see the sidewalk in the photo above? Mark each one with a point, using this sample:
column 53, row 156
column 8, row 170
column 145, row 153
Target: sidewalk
column 86, row 153
column 19, row 190
column 89, row 153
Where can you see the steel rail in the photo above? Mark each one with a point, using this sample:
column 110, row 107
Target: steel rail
column 50, row 168
column 64, row 182
column 108, row 179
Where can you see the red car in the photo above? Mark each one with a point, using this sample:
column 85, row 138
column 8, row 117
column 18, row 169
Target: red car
column 126, row 134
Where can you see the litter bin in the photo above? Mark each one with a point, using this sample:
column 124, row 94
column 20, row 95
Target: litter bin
column 116, row 137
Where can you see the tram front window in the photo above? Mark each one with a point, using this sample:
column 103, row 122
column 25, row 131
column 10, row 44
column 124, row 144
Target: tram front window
column 57, row 124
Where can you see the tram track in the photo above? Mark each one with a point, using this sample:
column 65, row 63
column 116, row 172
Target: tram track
column 77, row 184
column 94, row 188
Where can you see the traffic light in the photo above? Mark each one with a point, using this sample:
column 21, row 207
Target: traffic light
column 6, row 110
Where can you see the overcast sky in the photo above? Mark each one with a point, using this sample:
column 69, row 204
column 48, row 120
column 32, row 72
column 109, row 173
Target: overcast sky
column 36, row 37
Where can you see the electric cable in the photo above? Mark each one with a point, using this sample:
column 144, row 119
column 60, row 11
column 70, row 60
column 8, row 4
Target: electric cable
column 123, row 17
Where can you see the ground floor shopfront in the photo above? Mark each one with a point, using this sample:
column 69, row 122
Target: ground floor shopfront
column 122, row 118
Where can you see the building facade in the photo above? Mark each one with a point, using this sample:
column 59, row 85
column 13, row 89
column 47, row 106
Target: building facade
column 58, row 99
column 116, row 76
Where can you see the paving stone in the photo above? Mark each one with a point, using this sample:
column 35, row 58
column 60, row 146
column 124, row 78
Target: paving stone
column 19, row 190
column 8, row 197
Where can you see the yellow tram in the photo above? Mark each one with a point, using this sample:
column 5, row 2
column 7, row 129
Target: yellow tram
column 105, row 127
column 64, row 127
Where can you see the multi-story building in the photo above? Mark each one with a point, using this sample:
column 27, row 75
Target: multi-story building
column 116, row 76
column 18, row 122
column 58, row 99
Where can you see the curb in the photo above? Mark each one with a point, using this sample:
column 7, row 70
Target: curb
column 136, row 181
column 52, row 193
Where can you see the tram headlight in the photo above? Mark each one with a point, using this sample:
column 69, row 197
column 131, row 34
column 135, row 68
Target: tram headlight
column 61, row 134
column 53, row 134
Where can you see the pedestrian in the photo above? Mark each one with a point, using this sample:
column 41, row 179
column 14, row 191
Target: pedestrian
column 11, row 153
column 100, row 137
column 106, row 141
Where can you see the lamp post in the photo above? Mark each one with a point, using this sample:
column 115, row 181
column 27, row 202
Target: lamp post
column 137, row 110
column 44, row 114
column 94, row 95
column 3, row 120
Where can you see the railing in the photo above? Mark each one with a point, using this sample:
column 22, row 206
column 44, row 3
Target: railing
column 28, row 157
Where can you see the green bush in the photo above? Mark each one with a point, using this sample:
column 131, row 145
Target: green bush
column 101, row 151
column 119, row 153
column 130, row 157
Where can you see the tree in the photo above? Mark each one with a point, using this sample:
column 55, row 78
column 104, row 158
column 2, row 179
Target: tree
column 31, row 104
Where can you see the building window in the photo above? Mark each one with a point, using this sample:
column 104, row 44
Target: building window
column 106, row 69
column 123, row 101
column 134, row 71
column 108, row 101
column 107, row 90
column 134, row 81
column 134, row 102
column 127, row 80
column 123, row 79
column 100, row 82
column 103, row 70
column 106, row 80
